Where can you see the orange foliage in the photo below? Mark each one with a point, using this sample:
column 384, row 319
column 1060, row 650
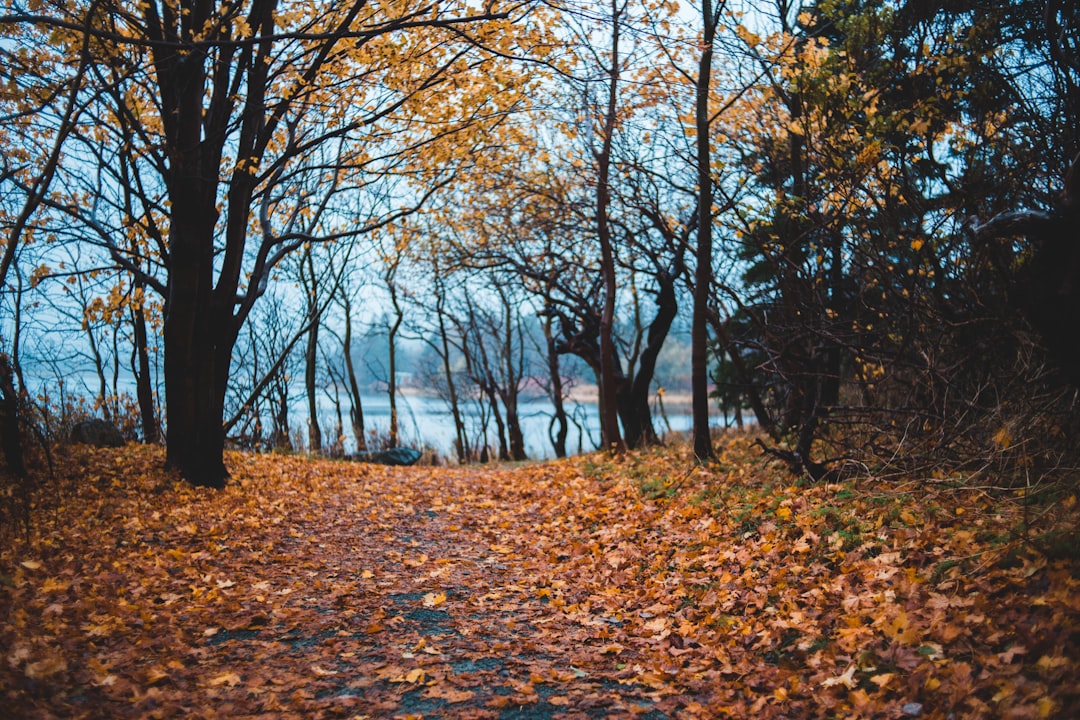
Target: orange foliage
column 579, row 588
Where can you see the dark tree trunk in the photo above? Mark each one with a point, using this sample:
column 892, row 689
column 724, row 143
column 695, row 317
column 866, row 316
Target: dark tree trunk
column 280, row 439
column 311, row 353
column 391, row 384
column 559, row 428
column 356, row 412
column 195, row 331
column 637, row 416
column 144, row 389
column 310, row 368
column 10, row 438
column 699, row 332
column 196, row 370
column 496, row 413
column 461, row 443
column 487, row 385
column 514, row 433
column 609, row 391
column 1047, row 288
column 508, row 389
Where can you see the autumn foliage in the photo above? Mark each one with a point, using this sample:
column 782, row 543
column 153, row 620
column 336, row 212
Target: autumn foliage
column 590, row 587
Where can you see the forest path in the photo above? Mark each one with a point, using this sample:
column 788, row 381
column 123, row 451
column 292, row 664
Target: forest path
column 430, row 611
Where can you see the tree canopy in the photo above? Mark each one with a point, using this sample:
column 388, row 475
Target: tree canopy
column 855, row 214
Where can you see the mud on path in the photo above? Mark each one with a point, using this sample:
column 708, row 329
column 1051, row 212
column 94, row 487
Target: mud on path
column 305, row 589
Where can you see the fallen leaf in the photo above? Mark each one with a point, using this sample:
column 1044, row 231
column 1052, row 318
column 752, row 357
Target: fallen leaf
column 228, row 678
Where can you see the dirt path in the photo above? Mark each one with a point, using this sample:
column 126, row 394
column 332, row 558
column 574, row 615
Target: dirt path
column 426, row 615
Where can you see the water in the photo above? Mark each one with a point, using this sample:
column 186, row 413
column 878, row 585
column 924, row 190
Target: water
column 427, row 421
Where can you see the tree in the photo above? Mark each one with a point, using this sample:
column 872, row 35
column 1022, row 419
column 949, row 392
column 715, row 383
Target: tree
column 877, row 133
column 699, row 360
column 228, row 100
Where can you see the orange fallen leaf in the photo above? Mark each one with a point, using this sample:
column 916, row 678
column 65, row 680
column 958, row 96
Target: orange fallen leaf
column 434, row 599
column 447, row 693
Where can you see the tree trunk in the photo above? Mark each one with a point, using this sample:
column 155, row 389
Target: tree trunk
column 281, row 439
column 391, row 385
column 144, row 389
column 559, row 428
column 311, row 353
column 196, row 365
column 609, row 407
column 461, row 444
column 10, row 438
column 198, row 337
column 486, row 382
column 310, row 376
column 699, row 332
column 509, row 388
column 356, row 412
column 637, row 400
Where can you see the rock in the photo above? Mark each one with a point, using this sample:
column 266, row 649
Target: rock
column 912, row 709
column 97, row 432
column 392, row 456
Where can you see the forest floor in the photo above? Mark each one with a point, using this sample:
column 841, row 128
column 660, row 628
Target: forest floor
column 591, row 587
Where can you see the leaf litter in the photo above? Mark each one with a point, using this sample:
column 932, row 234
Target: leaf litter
column 588, row 587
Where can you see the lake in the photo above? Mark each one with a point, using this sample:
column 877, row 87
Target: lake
column 426, row 421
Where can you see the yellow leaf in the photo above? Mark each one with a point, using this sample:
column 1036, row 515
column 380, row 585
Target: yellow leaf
column 230, row 678
column 53, row 585
column 31, row 564
column 1047, row 662
column 434, row 599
